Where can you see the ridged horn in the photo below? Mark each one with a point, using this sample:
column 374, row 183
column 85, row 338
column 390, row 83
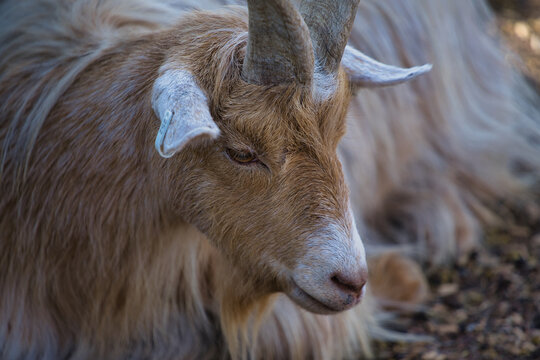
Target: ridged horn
column 279, row 46
column 330, row 24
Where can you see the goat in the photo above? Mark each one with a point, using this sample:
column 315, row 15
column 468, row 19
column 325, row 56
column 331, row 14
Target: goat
column 111, row 249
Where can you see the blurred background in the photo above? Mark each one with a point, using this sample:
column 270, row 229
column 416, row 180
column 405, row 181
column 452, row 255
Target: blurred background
column 487, row 306
column 519, row 21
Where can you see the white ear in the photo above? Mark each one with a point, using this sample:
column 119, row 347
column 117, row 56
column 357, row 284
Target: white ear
column 182, row 108
column 364, row 71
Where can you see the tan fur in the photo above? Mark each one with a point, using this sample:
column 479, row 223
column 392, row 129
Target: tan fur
column 102, row 252
column 91, row 189
column 397, row 280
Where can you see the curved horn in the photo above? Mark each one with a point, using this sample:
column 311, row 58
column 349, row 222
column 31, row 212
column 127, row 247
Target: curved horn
column 279, row 47
column 364, row 71
column 330, row 23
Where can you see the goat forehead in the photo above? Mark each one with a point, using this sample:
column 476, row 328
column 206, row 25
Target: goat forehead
column 283, row 136
column 288, row 123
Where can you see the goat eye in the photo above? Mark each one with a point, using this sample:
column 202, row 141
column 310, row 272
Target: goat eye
column 242, row 157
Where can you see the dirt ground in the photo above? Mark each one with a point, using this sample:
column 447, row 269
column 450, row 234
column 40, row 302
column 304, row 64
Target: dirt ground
column 484, row 307
column 487, row 306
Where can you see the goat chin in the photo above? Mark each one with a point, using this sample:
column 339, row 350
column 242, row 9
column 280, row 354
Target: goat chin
column 423, row 161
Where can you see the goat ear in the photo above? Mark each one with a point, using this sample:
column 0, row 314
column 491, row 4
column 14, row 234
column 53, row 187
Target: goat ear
column 183, row 110
column 364, row 71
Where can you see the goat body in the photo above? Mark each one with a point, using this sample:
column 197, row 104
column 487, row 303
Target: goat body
column 106, row 247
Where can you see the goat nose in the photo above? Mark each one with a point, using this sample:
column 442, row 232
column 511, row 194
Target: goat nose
column 350, row 283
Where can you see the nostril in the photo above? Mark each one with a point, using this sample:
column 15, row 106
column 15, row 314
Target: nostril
column 352, row 284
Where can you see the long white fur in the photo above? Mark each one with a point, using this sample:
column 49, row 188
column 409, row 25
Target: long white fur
column 426, row 159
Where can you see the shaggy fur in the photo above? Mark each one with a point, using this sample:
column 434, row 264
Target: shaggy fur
column 93, row 264
column 426, row 159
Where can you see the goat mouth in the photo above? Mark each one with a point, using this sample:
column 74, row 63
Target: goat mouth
column 308, row 302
